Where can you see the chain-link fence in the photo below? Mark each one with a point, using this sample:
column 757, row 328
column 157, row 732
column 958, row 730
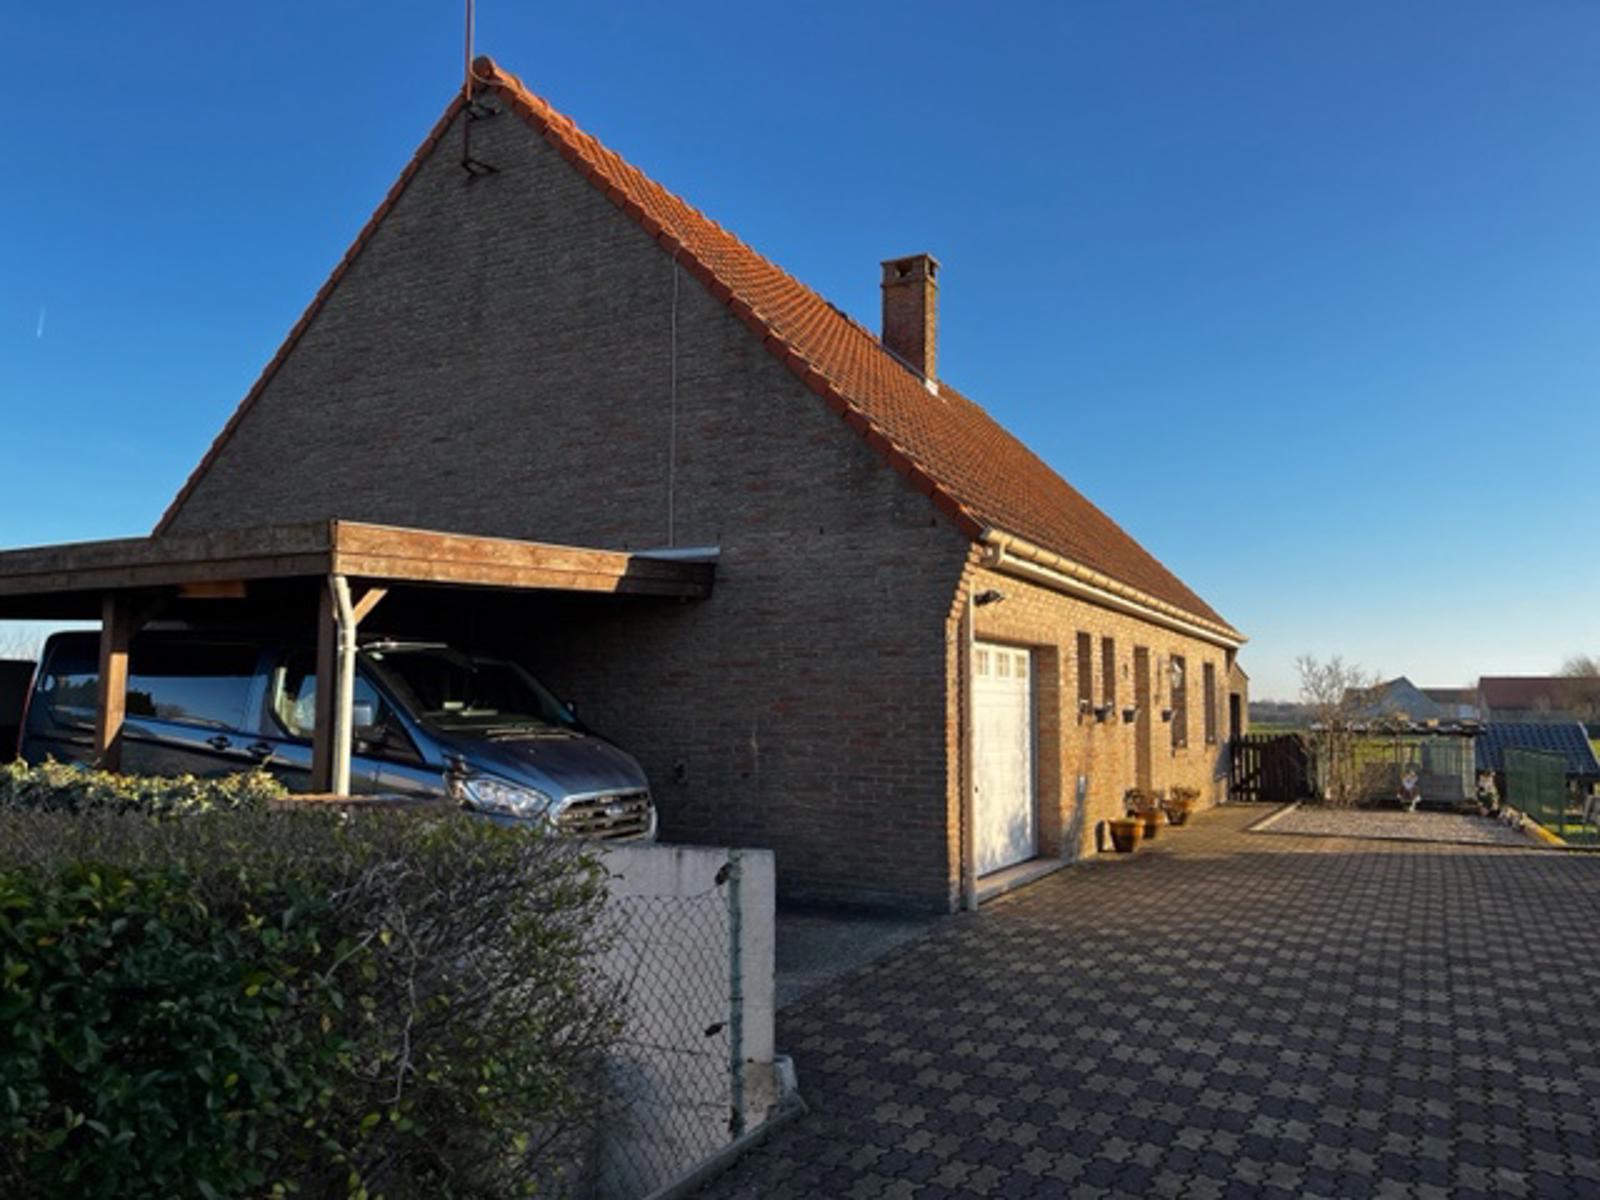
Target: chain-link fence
column 1537, row 784
column 1374, row 767
column 686, row 1076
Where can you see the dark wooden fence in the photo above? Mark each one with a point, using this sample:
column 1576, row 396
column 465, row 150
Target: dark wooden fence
column 1268, row 768
column 16, row 677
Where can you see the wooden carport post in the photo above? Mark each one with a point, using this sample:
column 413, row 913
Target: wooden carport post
column 117, row 623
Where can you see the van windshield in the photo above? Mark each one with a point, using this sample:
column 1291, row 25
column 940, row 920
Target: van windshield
column 457, row 692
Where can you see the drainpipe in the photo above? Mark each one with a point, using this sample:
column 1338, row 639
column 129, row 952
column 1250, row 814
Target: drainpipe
column 344, row 696
column 969, row 741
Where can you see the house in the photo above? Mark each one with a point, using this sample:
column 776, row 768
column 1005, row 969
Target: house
column 1397, row 697
column 1400, row 698
column 928, row 663
column 1454, row 703
column 1539, row 698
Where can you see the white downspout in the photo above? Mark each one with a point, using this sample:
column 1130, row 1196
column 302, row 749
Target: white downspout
column 344, row 693
column 969, row 776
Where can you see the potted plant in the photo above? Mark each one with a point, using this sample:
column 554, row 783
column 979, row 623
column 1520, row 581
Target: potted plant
column 1126, row 833
column 1182, row 801
column 1102, row 713
column 1146, row 809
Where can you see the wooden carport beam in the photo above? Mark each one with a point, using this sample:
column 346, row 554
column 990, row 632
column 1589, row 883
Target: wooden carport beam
column 67, row 580
column 369, row 601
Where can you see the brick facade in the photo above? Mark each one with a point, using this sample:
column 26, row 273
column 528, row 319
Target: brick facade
column 1070, row 744
column 514, row 356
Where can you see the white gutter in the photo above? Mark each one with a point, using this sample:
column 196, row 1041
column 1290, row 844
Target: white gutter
column 1011, row 555
column 969, row 750
column 345, row 691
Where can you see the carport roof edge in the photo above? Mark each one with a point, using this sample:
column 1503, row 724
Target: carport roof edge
column 383, row 553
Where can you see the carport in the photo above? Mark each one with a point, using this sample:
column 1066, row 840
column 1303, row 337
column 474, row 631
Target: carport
column 335, row 572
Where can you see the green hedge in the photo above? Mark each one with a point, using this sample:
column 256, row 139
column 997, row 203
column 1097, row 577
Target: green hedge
column 254, row 1003
column 72, row 788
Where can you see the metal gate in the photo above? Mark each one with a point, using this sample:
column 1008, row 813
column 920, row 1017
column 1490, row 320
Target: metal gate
column 1536, row 783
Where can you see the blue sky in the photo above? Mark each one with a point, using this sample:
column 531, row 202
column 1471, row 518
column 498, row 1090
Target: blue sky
column 1306, row 296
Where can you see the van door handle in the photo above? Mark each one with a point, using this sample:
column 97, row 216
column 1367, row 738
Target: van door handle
column 219, row 742
column 260, row 751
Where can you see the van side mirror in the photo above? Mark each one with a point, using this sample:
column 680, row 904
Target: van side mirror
column 363, row 717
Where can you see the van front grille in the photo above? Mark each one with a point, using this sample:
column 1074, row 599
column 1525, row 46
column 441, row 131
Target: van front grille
column 618, row 815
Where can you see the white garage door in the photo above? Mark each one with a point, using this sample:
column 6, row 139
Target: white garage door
column 1004, row 827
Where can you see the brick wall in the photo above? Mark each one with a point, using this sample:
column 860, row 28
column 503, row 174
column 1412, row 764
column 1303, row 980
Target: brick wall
column 499, row 360
column 1070, row 745
column 1239, row 686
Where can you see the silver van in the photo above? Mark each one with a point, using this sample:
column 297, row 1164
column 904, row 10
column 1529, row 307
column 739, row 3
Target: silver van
column 430, row 721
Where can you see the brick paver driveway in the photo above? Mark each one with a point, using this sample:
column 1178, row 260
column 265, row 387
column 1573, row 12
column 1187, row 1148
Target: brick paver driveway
column 1233, row 1014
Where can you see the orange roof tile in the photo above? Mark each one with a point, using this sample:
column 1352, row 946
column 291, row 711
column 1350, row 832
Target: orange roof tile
column 949, row 448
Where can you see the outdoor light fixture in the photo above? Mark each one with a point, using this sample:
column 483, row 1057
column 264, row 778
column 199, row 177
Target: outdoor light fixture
column 991, row 596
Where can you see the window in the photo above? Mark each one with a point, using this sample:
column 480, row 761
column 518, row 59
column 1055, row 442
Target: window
column 1085, row 672
column 195, row 683
column 1209, row 674
column 69, row 688
column 457, row 692
column 1180, row 703
column 1108, row 671
column 293, row 698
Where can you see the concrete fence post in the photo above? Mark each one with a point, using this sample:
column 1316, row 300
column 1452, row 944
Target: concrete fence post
column 736, row 1120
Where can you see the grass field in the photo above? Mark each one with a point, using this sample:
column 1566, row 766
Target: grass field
column 1271, row 727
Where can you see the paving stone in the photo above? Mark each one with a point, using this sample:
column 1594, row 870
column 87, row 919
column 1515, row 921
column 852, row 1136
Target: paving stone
column 1228, row 1014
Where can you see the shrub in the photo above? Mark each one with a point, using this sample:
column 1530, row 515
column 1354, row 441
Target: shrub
column 72, row 788
column 250, row 1002
column 149, row 1045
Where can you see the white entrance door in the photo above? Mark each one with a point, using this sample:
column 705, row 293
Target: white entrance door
column 1003, row 823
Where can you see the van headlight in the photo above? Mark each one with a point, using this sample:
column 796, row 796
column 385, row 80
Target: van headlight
column 506, row 799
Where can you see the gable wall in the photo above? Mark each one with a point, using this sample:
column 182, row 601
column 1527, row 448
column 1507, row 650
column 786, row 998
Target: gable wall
column 499, row 360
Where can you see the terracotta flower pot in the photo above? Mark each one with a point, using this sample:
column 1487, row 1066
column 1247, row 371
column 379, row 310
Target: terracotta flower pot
column 1126, row 833
column 1153, row 819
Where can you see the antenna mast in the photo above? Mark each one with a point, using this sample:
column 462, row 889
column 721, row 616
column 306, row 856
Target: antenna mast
column 466, row 93
column 471, row 110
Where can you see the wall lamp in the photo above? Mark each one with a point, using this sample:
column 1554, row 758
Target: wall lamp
column 991, row 596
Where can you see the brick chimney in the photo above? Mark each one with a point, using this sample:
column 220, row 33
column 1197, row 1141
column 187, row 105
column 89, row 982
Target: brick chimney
column 911, row 312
